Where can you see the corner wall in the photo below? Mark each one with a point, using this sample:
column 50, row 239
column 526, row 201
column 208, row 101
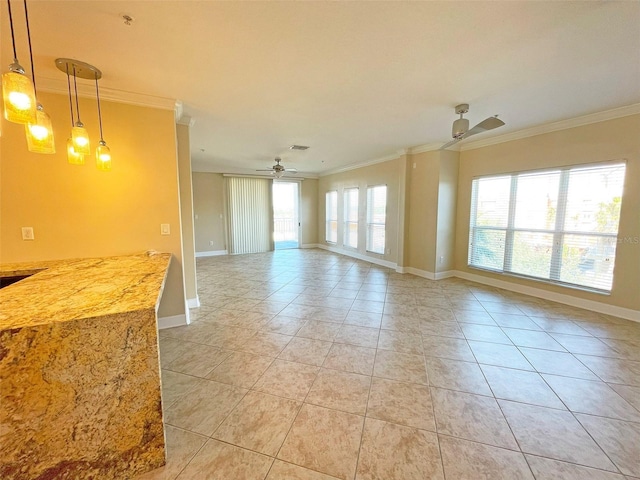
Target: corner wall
column 610, row 140
column 79, row 211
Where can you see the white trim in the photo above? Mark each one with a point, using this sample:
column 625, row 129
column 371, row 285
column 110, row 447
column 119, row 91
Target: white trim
column 193, row 302
column 58, row 85
column 173, row 321
column 310, row 245
column 419, row 273
column 555, row 126
column 355, row 166
column 430, row 147
column 445, row 274
column 592, row 305
column 212, row 253
column 359, row 256
column 185, row 119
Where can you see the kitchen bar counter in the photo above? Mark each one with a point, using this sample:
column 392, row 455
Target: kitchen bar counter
column 79, row 370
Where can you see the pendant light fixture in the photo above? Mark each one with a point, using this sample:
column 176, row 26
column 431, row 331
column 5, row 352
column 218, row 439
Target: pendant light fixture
column 73, row 157
column 18, row 94
column 78, row 145
column 103, row 153
column 79, row 134
column 39, row 133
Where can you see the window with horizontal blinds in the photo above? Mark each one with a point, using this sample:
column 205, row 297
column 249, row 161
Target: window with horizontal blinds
column 557, row 225
column 351, row 217
column 376, row 218
column 331, row 217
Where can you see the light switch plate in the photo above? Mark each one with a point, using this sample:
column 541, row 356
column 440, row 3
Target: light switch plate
column 27, row 233
column 165, row 229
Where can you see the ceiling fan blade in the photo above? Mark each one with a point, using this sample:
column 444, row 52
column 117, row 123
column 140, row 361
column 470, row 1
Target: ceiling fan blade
column 448, row 144
column 487, row 124
column 291, row 170
column 265, row 170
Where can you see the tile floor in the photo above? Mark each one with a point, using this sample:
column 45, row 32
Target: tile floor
column 303, row 364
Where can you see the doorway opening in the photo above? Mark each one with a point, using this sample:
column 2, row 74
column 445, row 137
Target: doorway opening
column 286, row 220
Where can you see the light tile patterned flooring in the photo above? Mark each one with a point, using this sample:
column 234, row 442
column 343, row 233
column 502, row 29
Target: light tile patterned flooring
column 303, row 364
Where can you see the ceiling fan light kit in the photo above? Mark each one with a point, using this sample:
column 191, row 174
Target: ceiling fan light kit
column 278, row 170
column 460, row 129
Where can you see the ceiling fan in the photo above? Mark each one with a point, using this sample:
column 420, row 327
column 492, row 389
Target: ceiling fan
column 461, row 130
column 278, row 170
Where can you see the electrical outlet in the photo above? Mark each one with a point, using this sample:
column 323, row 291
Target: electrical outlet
column 27, row 233
column 165, row 229
column 211, row 243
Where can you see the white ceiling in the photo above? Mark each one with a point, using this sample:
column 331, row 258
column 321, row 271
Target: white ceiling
column 355, row 81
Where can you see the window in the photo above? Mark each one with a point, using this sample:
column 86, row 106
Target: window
column 559, row 225
column 376, row 218
column 351, row 217
column 331, row 228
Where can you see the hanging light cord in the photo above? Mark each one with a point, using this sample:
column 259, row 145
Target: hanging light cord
column 13, row 38
column 33, row 73
column 75, row 87
column 99, row 112
column 70, row 100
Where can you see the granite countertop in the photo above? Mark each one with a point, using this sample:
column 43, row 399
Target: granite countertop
column 65, row 290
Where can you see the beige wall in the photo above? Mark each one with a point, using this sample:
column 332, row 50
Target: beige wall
column 386, row 173
column 447, row 211
column 611, row 140
column 309, row 211
column 186, row 210
column 78, row 211
column 208, row 205
column 423, row 210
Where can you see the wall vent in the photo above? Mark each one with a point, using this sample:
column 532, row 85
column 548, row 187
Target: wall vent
column 298, row 147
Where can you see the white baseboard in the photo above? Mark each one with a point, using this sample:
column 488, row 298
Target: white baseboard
column 193, row 302
column 211, row 253
column 445, row 274
column 592, row 305
column 173, row 321
column 310, row 245
column 359, row 256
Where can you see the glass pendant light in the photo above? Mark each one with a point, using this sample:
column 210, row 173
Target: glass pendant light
column 18, row 94
column 103, row 153
column 39, row 133
column 79, row 134
column 73, row 157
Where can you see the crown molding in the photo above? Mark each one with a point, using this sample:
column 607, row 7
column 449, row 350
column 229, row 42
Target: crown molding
column 430, row 147
column 186, row 120
column 199, row 166
column 355, row 166
column 555, row 126
column 110, row 94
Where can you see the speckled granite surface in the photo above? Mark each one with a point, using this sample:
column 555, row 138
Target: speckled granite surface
column 79, row 370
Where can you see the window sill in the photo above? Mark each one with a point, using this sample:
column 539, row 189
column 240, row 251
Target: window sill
column 605, row 293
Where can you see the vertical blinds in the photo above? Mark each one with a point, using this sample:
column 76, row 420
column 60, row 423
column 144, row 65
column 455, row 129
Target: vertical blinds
column 249, row 205
column 559, row 225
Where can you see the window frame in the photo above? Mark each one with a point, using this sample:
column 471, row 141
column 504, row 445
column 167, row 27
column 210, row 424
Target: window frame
column 371, row 224
column 558, row 232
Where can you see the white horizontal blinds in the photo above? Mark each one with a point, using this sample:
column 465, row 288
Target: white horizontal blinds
column 594, row 197
column 376, row 218
column 331, row 214
column 249, row 214
column 351, row 217
column 490, row 215
column 560, row 225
